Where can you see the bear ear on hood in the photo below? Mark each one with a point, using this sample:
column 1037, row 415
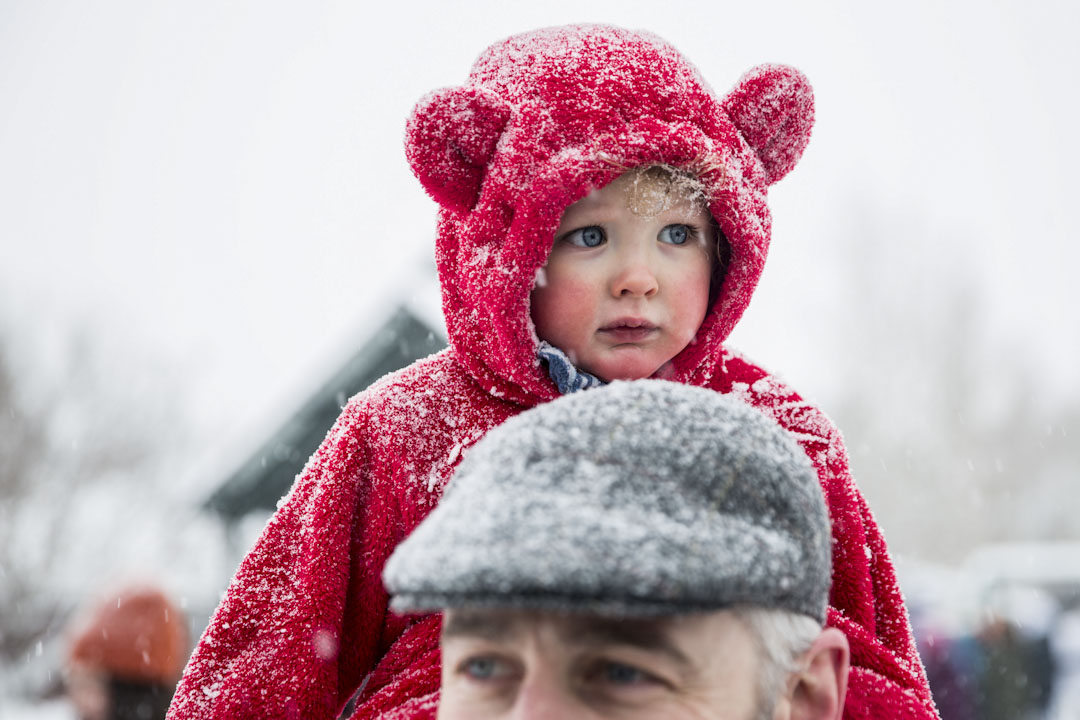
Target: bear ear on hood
column 773, row 108
column 449, row 140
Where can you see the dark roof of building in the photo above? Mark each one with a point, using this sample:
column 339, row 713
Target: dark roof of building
column 265, row 476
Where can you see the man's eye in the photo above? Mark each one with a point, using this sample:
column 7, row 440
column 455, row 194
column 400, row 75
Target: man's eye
column 675, row 234
column 620, row 675
column 484, row 668
column 591, row 236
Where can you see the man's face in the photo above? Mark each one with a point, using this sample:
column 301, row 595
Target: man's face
column 521, row 664
column 88, row 691
column 626, row 285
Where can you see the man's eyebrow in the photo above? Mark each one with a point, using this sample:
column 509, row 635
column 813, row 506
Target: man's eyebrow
column 641, row 634
column 486, row 625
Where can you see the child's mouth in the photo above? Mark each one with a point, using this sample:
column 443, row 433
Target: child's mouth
column 628, row 330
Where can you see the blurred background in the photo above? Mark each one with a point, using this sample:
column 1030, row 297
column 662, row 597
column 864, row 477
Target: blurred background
column 209, row 237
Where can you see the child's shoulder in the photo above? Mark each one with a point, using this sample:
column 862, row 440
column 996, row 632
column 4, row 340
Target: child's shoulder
column 423, row 385
column 769, row 393
column 432, row 393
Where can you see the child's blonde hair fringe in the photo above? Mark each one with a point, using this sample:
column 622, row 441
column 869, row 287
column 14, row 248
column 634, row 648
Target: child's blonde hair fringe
column 654, row 186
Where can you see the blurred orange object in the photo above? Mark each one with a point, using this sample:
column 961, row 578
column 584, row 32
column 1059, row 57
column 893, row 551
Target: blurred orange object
column 136, row 634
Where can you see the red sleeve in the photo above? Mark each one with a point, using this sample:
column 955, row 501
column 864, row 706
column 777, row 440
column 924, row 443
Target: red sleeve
column 887, row 679
column 279, row 644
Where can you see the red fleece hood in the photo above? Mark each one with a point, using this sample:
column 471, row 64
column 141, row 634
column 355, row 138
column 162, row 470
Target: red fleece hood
column 547, row 116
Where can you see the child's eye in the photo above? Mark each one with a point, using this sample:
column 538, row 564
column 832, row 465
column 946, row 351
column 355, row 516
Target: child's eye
column 591, row 236
column 675, row 234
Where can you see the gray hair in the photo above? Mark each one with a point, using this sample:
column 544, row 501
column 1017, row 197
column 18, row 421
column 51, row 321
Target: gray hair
column 782, row 638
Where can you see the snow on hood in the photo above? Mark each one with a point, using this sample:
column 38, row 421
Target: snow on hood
column 549, row 115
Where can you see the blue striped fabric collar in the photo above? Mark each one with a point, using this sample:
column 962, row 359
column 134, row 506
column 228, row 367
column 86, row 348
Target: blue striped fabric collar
column 566, row 375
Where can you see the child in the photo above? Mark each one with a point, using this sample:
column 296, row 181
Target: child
column 528, row 160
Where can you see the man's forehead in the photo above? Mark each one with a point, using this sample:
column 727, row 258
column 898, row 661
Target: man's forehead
column 499, row 620
column 666, row 634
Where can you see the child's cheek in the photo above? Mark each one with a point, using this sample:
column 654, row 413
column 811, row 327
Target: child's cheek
column 692, row 302
column 563, row 305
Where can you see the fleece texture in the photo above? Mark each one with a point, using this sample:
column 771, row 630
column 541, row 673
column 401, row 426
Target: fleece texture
column 543, row 118
column 644, row 498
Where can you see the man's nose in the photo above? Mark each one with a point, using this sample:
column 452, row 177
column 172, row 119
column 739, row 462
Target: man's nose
column 634, row 274
column 545, row 701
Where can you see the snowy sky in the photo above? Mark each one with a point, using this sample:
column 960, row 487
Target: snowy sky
column 218, row 188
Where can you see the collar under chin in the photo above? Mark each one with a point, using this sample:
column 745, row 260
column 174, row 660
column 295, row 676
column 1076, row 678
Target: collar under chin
column 568, row 377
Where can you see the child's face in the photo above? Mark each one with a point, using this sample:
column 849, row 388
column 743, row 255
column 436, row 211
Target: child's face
column 624, row 290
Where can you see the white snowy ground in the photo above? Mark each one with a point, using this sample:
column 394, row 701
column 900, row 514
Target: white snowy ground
column 11, row 709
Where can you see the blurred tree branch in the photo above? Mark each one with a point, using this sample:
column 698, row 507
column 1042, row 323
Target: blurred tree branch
column 78, row 447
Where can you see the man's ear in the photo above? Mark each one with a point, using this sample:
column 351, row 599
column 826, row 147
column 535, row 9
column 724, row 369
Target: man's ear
column 816, row 691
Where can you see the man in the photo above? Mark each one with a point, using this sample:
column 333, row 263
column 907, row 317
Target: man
column 643, row 550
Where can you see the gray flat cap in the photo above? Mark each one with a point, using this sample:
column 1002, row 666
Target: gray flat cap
column 640, row 498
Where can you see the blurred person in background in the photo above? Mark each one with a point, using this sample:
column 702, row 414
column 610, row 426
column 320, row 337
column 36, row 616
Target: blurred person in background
column 1065, row 643
column 948, row 668
column 1018, row 668
column 125, row 656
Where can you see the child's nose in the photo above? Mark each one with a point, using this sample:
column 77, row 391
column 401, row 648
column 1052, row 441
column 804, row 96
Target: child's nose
column 634, row 276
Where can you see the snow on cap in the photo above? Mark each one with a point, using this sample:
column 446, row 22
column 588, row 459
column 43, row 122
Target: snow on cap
column 640, row 498
column 547, row 116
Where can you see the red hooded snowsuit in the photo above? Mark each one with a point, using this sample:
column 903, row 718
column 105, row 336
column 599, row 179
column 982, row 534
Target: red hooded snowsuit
column 543, row 118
